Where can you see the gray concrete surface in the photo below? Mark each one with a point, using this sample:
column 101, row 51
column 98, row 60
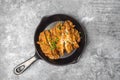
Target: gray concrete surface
column 101, row 58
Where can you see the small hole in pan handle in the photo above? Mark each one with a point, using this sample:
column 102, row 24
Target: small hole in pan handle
column 20, row 68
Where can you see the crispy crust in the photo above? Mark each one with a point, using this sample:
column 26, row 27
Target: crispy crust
column 62, row 37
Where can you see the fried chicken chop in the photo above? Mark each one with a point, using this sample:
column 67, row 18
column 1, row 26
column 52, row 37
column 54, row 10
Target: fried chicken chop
column 62, row 37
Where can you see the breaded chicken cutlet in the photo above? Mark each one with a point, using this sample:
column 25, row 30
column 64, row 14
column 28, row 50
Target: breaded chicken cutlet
column 63, row 37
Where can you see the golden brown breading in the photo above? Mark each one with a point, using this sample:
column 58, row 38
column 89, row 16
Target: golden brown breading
column 51, row 43
column 77, row 35
column 73, row 34
column 62, row 37
column 57, row 33
column 45, row 46
column 68, row 37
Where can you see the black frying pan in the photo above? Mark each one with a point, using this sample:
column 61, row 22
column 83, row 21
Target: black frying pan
column 67, row 59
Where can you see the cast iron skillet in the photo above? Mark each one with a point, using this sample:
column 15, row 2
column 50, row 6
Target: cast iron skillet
column 45, row 22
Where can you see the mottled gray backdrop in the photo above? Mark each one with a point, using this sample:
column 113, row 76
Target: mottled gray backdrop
column 100, row 59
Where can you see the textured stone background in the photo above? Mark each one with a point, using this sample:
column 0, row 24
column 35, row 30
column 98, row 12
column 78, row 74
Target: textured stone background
column 101, row 58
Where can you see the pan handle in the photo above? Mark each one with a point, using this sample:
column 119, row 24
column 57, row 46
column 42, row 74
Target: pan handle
column 23, row 66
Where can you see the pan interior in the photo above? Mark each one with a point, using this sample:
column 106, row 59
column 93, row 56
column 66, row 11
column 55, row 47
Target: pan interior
column 49, row 27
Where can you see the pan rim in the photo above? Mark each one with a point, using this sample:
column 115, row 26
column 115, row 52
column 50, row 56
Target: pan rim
column 43, row 56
